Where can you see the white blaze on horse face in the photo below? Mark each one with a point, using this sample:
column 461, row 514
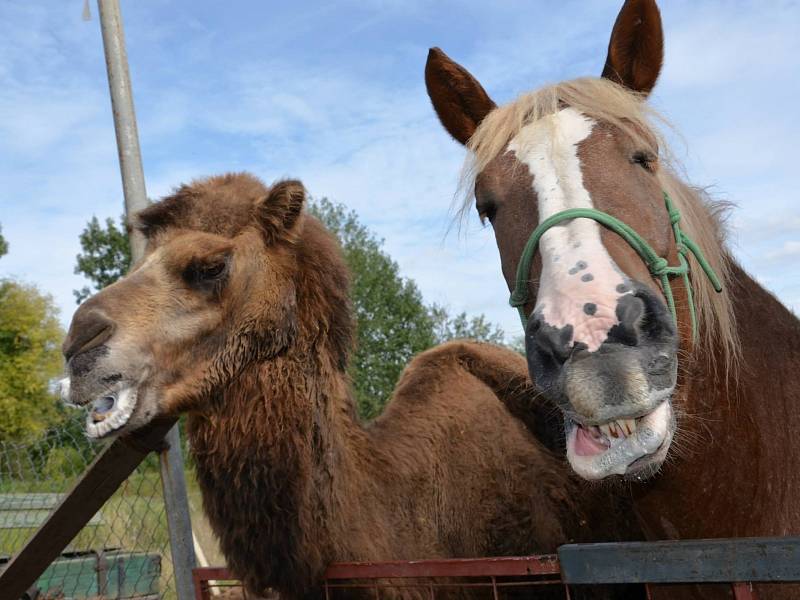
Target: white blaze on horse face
column 580, row 283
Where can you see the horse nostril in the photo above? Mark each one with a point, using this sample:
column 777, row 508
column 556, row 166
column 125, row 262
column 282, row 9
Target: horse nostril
column 89, row 329
column 630, row 311
column 553, row 344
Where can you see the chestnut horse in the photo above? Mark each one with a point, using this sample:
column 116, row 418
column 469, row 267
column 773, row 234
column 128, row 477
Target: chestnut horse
column 239, row 315
column 671, row 366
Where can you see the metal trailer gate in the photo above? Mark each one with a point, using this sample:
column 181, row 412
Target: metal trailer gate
column 736, row 562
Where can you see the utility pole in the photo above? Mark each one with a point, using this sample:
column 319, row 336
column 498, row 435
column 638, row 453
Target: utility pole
column 173, row 480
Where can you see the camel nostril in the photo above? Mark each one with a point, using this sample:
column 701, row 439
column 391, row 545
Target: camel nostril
column 89, row 330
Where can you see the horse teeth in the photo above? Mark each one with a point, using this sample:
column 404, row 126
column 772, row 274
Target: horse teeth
column 619, row 428
column 628, row 425
column 609, row 429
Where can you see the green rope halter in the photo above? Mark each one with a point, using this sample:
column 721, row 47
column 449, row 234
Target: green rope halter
column 658, row 266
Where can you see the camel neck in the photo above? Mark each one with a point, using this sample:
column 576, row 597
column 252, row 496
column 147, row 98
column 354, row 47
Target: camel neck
column 271, row 462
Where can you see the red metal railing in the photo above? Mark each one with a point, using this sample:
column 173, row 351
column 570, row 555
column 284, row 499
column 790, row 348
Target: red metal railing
column 490, row 574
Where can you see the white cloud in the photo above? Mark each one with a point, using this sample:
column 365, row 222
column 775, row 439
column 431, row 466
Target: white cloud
column 787, row 250
column 711, row 44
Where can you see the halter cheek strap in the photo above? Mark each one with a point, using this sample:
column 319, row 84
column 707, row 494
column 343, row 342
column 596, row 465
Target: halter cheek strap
column 658, row 266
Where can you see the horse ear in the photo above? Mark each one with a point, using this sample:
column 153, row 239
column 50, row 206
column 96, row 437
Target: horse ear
column 277, row 212
column 636, row 49
column 458, row 99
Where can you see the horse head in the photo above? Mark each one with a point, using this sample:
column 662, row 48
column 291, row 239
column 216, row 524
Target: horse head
column 587, row 218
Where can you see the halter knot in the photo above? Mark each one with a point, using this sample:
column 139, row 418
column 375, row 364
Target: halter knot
column 659, row 267
column 517, row 300
column 674, row 215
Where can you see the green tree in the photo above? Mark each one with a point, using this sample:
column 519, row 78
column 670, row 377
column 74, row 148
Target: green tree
column 105, row 258
column 447, row 328
column 392, row 322
column 30, row 358
column 3, row 244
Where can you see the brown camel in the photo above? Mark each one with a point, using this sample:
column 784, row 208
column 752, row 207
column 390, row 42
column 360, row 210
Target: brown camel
column 239, row 316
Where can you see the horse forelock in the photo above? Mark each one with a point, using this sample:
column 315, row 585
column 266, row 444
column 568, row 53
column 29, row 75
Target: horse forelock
column 702, row 218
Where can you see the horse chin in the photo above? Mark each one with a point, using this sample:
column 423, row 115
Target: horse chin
column 632, row 448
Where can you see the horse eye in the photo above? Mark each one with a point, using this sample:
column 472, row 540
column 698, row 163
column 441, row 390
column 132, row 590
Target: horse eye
column 645, row 159
column 486, row 211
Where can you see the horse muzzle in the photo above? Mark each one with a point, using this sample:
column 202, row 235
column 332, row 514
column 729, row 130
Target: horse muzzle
column 615, row 399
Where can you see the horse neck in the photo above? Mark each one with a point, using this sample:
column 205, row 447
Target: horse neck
column 737, row 447
column 278, row 450
column 763, row 388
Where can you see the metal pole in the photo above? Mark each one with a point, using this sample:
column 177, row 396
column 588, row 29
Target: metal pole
column 119, row 83
column 173, row 482
column 130, row 162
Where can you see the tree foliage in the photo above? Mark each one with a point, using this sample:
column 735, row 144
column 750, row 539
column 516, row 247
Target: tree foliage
column 393, row 323
column 447, row 328
column 106, row 255
column 3, row 244
column 30, row 358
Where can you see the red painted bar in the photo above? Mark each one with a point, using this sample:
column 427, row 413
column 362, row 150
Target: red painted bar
column 202, row 575
column 744, row 591
column 516, row 566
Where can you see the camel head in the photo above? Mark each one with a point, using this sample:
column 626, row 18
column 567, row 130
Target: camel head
column 215, row 292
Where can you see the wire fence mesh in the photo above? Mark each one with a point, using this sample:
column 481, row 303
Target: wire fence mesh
column 123, row 552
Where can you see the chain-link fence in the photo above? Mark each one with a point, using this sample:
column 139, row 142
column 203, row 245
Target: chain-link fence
column 123, row 552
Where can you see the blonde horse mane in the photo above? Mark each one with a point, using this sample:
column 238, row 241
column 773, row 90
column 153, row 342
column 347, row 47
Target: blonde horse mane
column 702, row 218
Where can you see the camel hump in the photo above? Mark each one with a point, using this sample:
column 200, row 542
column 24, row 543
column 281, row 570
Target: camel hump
column 497, row 366
column 502, row 370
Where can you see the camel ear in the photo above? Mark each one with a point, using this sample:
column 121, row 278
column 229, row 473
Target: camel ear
column 636, row 49
column 458, row 99
column 277, row 212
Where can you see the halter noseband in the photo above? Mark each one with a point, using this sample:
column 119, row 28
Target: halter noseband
column 659, row 267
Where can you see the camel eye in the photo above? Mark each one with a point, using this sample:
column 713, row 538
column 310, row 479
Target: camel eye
column 645, row 159
column 211, row 271
column 206, row 273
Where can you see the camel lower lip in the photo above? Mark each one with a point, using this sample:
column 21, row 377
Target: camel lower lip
column 110, row 413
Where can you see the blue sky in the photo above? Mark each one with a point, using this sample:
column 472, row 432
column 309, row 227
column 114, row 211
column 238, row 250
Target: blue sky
column 333, row 93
